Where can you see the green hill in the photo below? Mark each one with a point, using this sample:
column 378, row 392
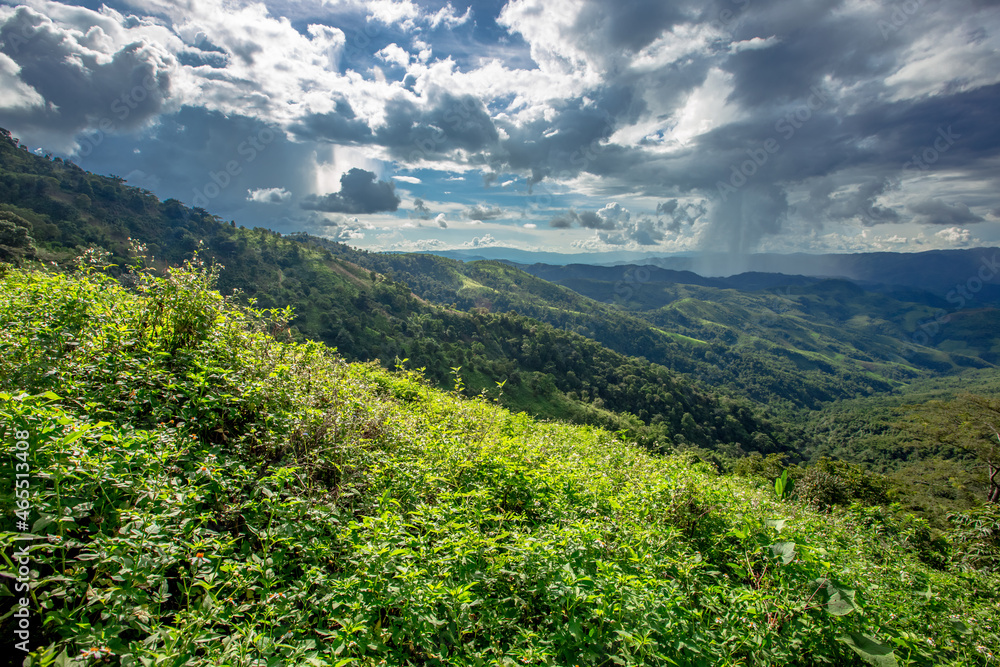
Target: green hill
column 206, row 492
column 798, row 345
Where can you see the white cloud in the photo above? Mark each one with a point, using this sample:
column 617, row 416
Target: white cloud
column 395, row 54
column 269, row 195
column 483, row 241
column 446, row 16
column 407, row 179
column 955, row 235
column 17, row 94
column 752, row 44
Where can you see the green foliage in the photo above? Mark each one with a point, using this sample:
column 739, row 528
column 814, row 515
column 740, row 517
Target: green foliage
column 783, row 486
column 820, row 489
column 971, row 423
column 15, row 238
column 246, row 501
column 976, row 538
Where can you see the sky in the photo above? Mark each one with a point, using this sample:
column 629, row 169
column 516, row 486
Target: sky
column 732, row 126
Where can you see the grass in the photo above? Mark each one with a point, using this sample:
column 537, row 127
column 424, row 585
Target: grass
column 207, row 494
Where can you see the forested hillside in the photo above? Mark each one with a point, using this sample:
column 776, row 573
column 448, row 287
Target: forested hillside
column 780, row 340
column 213, row 495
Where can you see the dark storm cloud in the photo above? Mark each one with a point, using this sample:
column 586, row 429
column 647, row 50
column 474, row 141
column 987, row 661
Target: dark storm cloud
column 81, row 89
column 451, row 123
column 360, row 192
column 936, row 212
column 211, row 160
column 339, row 126
column 591, row 220
column 627, row 24
column 812, row 39
column 571, row 141
column 828, row 202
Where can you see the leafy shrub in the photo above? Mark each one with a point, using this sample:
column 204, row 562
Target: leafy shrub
column 976, row 538
column 820, row 489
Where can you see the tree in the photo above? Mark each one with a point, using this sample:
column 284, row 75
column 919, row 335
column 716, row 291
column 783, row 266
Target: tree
column 971, row 423
column 15, row 238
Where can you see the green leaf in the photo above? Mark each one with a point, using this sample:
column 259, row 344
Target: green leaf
column 837, row 600
column 42, row 522
column 870, row 650
column 784, row 550
column 960, row 627
column 50, row 395
column 777, row 524
column 927, row 595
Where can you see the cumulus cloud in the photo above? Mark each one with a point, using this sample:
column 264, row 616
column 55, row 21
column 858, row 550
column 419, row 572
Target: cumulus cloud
column 84, row 77
column 360, row 192
column 483, row 241
column 394, row 54
column 441, row 222
column 679, row 215
column 612, row 216
column 955, row 235
column 643, row 231
column 269, row 195
column 18, row 96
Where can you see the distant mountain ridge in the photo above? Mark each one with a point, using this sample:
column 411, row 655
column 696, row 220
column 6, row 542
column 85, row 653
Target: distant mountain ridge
column 942, row 272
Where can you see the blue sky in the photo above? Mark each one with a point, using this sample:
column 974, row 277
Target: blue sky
column 557, row 125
